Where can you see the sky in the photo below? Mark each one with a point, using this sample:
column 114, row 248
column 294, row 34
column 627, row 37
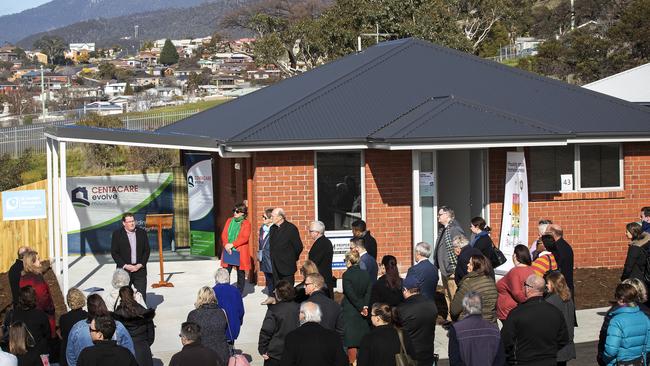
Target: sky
column 16, row 6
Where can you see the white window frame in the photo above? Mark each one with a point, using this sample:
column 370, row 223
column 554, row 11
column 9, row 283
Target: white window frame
column 362, row 170
column 577, row 179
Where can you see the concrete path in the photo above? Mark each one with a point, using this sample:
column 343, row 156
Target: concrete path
column 188, row 274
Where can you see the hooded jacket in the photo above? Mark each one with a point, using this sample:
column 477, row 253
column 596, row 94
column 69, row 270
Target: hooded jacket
column 635, row 261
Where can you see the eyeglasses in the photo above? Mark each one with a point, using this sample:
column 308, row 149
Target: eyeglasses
column 265, row 218
column 527, row 285
column 237, row 211
column 93, row 330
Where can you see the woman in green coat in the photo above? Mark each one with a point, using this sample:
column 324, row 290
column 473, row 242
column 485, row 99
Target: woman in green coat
column 478, row 279
column 356, row 291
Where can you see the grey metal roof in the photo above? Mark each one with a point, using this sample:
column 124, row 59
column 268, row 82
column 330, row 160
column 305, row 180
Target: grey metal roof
column 412, row 90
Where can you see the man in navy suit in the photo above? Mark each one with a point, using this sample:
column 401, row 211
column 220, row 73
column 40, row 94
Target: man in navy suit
column 366, row 262
column 130, row 251
column 424, row 270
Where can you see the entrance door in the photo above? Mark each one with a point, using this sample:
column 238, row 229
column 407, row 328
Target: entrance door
column 459, row 182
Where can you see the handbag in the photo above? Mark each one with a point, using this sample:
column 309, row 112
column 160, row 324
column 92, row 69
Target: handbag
column 402, row 358
column 498, row 258
column 235, row 359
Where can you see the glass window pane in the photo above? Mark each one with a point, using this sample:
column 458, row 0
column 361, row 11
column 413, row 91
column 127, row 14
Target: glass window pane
column 599, row 166
column 547, row 164
column 339, row 188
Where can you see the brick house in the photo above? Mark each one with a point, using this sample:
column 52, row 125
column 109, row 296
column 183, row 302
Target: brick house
column 349, row 140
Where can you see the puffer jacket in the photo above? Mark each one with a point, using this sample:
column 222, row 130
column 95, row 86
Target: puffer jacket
column 628, row 335
column 484, row 285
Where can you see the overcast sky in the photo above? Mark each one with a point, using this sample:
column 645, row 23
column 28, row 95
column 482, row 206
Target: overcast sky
column 16, row 6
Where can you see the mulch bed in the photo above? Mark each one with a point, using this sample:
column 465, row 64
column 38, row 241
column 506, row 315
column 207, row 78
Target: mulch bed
column 594, row 289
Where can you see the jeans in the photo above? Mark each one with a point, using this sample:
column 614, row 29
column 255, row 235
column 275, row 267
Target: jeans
column 268, row 278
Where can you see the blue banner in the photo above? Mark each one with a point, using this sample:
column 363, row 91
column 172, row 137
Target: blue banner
column 23, row 205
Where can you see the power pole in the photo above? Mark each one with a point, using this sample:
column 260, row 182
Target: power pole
column 376, row 35
column 136, row 31
column 44, row 111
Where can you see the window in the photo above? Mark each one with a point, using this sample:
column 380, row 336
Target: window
column 338, row 181
column 592, row 167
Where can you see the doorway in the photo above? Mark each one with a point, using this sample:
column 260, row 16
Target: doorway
column 453, row 178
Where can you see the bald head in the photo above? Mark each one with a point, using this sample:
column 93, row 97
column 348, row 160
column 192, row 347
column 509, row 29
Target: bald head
column 21, row 251
column 534, row 286
column 310, row 312
column 555, row 230
column 277, row 216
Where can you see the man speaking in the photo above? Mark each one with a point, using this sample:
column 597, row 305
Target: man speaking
column 130, row 251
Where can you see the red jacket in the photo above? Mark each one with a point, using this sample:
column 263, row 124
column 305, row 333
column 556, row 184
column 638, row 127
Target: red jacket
column 511, row 290
column 43, row 298
column 241, row 243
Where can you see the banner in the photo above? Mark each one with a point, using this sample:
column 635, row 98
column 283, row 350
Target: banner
column 341, row 246
column 201, row 204
column 514, row 224
column 97, row 203
column 23, row 205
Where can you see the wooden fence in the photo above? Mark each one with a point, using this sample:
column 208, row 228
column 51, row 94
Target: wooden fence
column 14, row 234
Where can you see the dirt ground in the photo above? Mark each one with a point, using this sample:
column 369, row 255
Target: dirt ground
column 594, row 289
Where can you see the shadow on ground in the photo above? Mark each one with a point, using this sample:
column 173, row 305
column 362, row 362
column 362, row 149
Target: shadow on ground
column 586, row 353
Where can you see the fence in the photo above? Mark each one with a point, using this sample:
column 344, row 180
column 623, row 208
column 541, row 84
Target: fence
column 14, row 234
column 15, row 140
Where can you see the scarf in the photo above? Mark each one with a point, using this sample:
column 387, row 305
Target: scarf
column 233, row 228
column 451, row 255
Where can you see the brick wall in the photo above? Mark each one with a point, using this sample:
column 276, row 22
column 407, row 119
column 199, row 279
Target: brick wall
column 594, row 222
column 286, row 179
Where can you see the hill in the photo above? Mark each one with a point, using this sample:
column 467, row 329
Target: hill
column 60, row 13
column 169, row 23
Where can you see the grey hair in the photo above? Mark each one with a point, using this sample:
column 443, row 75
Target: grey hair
column 311, row 312
column 222, row 276
column 280, row 212
column 318, row 226
column 472, row 303
column 423, row 249
column 459, row 241
column 448, row 210
column 120, row 278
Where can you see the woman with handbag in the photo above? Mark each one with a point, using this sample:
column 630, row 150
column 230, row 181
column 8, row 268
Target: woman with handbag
column 382, row 344
column 481, row 240
column 21, row 345
column 234, row 239
column 627, row 340
column 213, row 322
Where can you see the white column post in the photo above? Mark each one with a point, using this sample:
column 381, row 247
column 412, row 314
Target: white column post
column 64, row 216
column 50, row 200
column 56, row 209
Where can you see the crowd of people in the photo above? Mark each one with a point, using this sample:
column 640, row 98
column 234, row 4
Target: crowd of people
column 379, row 318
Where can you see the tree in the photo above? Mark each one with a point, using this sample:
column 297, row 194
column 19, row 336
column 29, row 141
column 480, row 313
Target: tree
column 99, row 155
column 143, row 158
column 83, row 58
column 128, row 89
column 52, row 46
column 632, row 32
column 107, row 71
column 168, row 55
column 147, row 45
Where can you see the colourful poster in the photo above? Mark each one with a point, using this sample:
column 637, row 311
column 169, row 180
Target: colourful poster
column 201, row 204
column 97, row 203
column 515, row 208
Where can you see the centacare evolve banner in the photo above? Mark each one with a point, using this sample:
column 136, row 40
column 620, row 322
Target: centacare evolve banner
column 514, row 225
column 200, row 204
column 97, row 203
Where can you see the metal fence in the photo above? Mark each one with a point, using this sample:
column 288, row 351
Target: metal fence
column 15, row 140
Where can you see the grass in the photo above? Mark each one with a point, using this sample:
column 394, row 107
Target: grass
column 200, row 106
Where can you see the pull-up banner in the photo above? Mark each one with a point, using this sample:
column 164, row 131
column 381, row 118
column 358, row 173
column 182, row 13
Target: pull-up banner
column 200, row 203
column 97, row 203
column 514, row 224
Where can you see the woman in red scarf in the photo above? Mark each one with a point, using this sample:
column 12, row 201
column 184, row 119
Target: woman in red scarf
column 234, row 238
column 33, row 276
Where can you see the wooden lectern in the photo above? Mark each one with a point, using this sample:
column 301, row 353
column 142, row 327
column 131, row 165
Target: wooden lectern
column 160, row 222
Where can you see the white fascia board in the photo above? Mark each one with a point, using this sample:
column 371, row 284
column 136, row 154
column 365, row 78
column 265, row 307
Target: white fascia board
column 480, row 145
column 126, row 143
column 601, row 140
column 297, row 148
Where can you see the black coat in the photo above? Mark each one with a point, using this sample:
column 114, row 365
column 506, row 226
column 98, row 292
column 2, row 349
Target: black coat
column 379, row 347
column 141, row 329
column 382, row 293
column 635, row 261
column 66, row 322
column 321, row 254
column 213, row 322
column 370, row 244
column 14, row 279
column 285, row 246
column 106, row 353
column 565, row 261
column 31, row 358
column 194, row 354
column 332, row 313
column 36, row 321
column 313, row 345
column 417, row 315
column 463, row 259
column 534, row 332
column 484, row 244
column 280, row 319
column 121, row 249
